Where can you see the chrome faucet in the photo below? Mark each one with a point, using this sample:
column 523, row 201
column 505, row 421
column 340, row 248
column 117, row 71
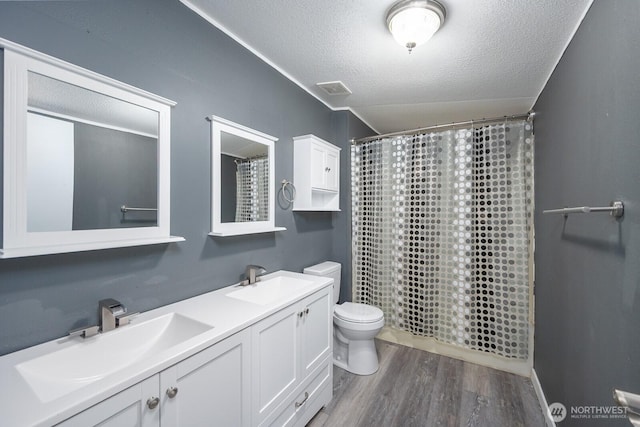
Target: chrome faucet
column 112, row 315
column 110, row 312
column 252, row 274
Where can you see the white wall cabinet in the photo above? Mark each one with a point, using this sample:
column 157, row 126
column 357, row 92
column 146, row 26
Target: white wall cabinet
column 292, row 360
column 208, row 388
column 316, row 174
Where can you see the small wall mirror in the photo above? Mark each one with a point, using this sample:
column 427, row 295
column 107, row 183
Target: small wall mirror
column 86, row 159
column 242, row 180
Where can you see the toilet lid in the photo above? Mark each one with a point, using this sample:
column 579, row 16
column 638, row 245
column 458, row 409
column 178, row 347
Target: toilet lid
column 356, row 312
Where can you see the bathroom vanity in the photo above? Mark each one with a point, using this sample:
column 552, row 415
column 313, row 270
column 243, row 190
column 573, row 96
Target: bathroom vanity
column 252, row 355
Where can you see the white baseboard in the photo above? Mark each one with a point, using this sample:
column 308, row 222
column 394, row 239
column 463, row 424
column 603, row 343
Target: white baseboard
column 543, row 400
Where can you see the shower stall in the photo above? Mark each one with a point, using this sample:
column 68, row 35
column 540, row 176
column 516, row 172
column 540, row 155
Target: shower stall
column 442, row 238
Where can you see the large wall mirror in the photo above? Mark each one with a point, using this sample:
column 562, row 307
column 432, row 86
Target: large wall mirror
column 242, row 179
column 86, row 159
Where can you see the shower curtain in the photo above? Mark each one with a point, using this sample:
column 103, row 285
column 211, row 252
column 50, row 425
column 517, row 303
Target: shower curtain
column 252, row 189
column 441, row 229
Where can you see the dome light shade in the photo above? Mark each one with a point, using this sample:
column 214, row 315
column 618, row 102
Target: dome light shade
column 413, row 22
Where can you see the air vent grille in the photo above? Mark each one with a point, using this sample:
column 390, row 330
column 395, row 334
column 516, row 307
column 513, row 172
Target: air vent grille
column 334, row 88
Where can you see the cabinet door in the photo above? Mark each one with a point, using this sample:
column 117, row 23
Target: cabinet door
column 316, row 331
column 318, row 172
column 332, row 170
column 128, row 408
column 210, row 388
column 275, row 343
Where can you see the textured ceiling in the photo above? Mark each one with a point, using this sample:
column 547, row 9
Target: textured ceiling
column 491, row 57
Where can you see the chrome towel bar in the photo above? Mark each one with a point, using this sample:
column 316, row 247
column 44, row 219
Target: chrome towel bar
column 631, row 404
column 125, row 208
column 616, row 209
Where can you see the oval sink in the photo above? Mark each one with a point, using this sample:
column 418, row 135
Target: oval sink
column 270, row 290
column 58, row 373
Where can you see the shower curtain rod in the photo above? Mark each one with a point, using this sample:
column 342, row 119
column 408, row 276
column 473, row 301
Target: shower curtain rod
column 249, row 159
column 528, row 117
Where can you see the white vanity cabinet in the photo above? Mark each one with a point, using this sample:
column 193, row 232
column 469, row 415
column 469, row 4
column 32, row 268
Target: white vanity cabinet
column 258, row 355
column 127, row 408
column 212, row 386
column 316, row 174
column 208, row 388
column 291, row 362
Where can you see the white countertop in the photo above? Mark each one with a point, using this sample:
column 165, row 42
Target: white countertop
column 22, row 407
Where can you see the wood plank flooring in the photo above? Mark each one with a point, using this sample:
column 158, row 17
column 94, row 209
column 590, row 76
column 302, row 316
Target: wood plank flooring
column 418, row 388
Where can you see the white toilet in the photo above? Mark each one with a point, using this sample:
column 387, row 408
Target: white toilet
column 355, row 326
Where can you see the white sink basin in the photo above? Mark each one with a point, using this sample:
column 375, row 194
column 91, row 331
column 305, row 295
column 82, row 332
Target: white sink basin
column 270, row 290
column 58, row 373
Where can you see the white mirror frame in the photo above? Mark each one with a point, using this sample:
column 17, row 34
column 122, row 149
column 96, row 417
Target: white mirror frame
column 17, row 241
column 218, row 228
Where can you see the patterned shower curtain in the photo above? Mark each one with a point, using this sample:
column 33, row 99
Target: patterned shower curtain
column 252, row 189
column 441, row 234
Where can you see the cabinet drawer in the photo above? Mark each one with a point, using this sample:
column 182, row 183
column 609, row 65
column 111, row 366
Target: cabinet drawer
column 306, row 400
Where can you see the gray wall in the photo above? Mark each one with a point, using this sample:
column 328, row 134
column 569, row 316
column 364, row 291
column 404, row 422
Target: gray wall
column 113, row 168
column 228, row 185
column 588, row 267
column 346, row 124
column 164, row 48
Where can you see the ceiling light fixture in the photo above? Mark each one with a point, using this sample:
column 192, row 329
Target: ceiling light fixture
column 413, row 22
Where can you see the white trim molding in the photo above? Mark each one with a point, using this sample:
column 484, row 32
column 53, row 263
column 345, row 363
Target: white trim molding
column 542, row 399
column 64, row 65
column 269, row 62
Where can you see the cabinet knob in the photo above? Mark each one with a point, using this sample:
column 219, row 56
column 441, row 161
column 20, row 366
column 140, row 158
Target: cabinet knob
column 306, row 311
column 152, row 402
column 301, row 314
column 172, row 391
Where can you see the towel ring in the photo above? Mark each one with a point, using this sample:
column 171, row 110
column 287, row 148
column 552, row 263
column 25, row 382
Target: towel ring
column 292, row 191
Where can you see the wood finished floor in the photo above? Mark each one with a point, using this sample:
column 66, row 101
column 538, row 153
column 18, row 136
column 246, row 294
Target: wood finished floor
column 418, row 388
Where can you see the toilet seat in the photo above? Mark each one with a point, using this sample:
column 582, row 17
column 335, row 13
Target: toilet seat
column 358, row 313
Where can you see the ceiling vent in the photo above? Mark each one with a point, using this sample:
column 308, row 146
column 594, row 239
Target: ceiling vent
column 334, row 88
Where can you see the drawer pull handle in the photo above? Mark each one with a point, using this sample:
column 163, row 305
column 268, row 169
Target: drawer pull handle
column 152, row 402
column 172, row 391
column 306, row 396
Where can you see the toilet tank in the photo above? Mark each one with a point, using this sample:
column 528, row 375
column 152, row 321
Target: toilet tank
column 327, row 269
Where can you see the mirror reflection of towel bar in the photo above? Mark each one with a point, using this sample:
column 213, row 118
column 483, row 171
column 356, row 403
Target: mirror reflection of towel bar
column 616, row 209
column 125, row 209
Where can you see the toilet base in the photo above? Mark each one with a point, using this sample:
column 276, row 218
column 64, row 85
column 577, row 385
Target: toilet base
column 361, row 357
